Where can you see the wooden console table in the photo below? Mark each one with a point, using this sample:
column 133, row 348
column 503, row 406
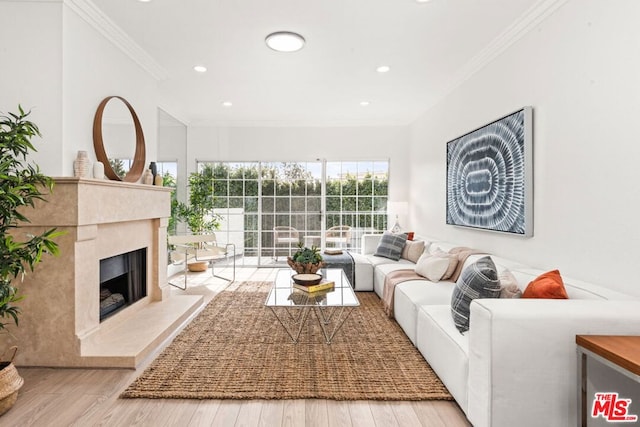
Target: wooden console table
column 618, row 352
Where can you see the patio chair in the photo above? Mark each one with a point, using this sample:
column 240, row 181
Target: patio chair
column 284, row 235
column 338, row 236
column 197, row 248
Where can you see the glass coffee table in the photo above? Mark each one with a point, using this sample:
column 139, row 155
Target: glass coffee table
column 292, row 307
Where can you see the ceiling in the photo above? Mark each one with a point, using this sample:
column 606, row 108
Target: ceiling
column 431, row 47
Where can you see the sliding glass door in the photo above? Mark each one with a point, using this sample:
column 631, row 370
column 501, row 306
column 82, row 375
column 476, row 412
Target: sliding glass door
column 266, row 209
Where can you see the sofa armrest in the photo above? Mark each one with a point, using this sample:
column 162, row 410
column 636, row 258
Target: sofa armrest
column 522, row 356
column 370, row 243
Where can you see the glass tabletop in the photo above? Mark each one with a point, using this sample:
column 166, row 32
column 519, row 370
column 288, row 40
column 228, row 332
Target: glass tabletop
column 284, row 294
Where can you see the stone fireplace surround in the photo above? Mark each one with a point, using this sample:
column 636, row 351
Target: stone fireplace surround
column 60, row 323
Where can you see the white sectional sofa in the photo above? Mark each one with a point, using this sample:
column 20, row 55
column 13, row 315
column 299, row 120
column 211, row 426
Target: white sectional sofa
column 517, row 363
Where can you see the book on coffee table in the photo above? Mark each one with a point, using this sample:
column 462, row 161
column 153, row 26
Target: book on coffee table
column 322, row 286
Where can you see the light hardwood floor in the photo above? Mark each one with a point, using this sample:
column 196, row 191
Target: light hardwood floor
column 89, row 397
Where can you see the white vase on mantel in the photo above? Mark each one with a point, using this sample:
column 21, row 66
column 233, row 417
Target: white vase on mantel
column 147, row 177
column 98, row 170
column 81, row 165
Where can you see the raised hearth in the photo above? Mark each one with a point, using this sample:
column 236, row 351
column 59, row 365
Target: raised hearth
column 60, row 325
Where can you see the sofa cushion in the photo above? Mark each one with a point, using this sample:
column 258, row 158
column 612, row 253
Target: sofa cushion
column 391, row 246
column 412, row 294
column 412, row 250
column 479, row 280
column 446, row 350
column 547, row 285
column 433, row 267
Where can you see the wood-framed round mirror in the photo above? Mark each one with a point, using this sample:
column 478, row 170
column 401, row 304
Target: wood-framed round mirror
column 137, row 167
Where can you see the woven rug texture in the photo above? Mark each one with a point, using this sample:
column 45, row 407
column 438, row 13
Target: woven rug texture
column 236, row 349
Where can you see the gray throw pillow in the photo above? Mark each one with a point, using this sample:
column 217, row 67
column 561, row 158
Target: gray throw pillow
column 391, row 246
column 479, row 280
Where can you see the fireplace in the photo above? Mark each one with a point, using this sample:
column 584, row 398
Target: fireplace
column 123, row 281
column 120, row 227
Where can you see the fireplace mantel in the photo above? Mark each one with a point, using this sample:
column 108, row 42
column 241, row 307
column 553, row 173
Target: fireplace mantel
column 60, row 324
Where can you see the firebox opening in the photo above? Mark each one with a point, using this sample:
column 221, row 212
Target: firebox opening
column 123, row 281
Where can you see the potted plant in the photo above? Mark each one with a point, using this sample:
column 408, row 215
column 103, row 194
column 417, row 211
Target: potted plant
column 306, row 260
column 20, row 186
column 198, row 213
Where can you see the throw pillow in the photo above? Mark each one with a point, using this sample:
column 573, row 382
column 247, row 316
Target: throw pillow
column 548, row 285
column 453, row 263
column 432, row 267
column 509, row 285
column 412, row 250
column 410, row 235
column 479, row 280
column 391, row 246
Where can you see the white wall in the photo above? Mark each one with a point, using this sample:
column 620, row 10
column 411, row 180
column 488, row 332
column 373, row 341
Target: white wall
column 580, row 71
column 31, row 69
column 305, row 144
column 60, row 67
column 93, row 69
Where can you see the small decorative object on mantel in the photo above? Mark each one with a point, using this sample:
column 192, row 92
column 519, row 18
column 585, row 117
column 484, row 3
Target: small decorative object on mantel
column 81, row 165
column 306, row 260
column 98, row 170
column 158, row 181
column 154, row 170
column 147, row 177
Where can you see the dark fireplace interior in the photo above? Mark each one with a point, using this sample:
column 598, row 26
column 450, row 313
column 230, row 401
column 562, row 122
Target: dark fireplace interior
column 123, row 281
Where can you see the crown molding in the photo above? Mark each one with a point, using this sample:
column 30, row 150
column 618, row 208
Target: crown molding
column 90, row 13
column 528, row 21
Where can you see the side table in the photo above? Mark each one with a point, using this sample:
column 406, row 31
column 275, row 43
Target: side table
column 619, row 353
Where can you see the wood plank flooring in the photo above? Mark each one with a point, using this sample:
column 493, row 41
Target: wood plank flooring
column 89, row 397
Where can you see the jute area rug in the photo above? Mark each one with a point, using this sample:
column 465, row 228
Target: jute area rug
column 236, row 349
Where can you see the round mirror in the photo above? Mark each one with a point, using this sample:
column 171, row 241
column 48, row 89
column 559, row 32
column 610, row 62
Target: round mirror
column 115, row 127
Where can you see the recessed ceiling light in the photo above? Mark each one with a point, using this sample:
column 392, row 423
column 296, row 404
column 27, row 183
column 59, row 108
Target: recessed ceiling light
column 383, row 69
column 200, row 68
column 423, row 1
column 365, row 103
column 227, row 104
column 285, row 41
column 144, row 1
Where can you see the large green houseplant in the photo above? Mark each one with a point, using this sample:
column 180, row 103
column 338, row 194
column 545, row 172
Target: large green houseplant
column 198, row 213
column 21, row 184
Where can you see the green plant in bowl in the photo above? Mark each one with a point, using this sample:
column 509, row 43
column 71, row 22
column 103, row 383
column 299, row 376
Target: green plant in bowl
column 306, row 260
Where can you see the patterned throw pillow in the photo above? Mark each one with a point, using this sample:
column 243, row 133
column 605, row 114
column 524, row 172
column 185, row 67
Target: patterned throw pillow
column 479, row 280
column 391, row 246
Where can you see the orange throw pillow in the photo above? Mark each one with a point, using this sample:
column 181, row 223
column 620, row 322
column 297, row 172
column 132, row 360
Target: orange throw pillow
column 548, row 285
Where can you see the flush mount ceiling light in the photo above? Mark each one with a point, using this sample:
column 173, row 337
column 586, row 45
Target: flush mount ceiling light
column 200, row 68
column 285, row 41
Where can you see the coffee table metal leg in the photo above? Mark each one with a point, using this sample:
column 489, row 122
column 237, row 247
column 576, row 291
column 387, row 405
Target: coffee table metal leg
column 301, row 320
column 324, row 321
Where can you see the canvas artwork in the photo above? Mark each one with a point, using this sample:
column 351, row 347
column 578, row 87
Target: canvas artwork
column 489, row 176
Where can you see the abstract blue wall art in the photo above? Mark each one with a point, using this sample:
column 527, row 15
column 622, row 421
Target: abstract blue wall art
column 489, row 176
